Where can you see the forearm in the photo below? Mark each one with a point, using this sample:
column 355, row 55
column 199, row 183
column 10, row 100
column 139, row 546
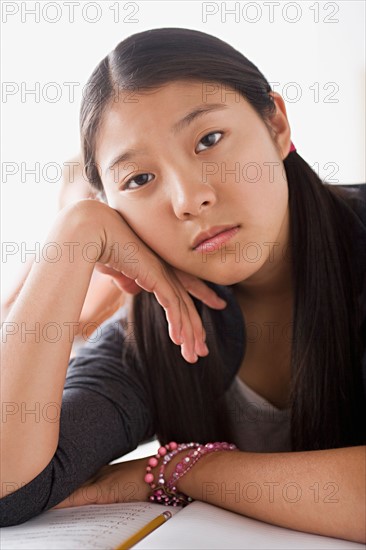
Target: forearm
column 101, row 302
column 321, row 492
column 37, row 337
column 8, row 301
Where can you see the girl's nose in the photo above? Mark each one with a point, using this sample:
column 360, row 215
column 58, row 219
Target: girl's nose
column 190, row 195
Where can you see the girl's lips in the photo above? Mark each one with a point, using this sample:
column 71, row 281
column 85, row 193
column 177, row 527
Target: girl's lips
column 214, row 243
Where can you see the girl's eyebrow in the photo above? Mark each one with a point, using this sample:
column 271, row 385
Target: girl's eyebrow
column 197, row 112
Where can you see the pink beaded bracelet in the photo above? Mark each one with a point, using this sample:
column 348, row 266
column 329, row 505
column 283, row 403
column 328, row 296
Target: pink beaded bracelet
column 165, row 492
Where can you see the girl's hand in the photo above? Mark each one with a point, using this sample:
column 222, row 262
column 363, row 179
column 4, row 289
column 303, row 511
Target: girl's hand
column 125, row 256
column 122, row 482
column 192, row 284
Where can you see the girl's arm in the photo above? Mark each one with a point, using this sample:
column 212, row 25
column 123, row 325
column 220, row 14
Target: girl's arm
column 103, row 297
column 105, row 414
column 9, row 299
column 37, row 336
column 38, row 333
column 102, row 300
column 321, row 492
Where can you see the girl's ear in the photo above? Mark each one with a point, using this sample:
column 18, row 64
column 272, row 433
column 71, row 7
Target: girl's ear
column 280, row 128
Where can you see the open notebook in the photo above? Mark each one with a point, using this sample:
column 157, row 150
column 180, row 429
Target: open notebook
column 198, row 525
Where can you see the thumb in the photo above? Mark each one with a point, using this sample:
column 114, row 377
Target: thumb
column 119, row 279
column 126, row 284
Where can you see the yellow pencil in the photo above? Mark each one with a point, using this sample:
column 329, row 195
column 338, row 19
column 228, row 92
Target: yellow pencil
column 144, row 531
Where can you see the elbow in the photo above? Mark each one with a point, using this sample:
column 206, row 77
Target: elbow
column 19, row 504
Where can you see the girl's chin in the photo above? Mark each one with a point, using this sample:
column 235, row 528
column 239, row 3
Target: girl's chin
column 227, row 273
column 222, row 280
column 221, row 273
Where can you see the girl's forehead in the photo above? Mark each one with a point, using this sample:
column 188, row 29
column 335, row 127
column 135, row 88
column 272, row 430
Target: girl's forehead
column 179, row 92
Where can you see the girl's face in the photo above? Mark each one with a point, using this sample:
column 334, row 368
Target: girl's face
column 218, row 166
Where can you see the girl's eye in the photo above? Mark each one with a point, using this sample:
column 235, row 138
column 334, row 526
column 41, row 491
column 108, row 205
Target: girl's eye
column 209, row 140
column 135, row 178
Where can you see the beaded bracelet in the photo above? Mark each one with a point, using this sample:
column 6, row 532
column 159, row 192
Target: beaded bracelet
column 193, row 456
column 166, row 492
column 163, row 494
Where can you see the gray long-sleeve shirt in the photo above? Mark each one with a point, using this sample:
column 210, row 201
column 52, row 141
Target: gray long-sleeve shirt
column 104, row 412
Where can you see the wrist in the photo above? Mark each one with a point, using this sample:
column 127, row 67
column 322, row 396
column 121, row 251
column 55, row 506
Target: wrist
column 171, row 468
column 144, row 489
column 158, row 473
column 165, row 471
column 78, row 219
column 190, row 482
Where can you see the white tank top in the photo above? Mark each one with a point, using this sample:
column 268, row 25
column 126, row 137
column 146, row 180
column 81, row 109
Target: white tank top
column 258, row 425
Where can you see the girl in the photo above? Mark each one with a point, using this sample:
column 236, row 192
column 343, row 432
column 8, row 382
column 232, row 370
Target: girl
column 204, row 197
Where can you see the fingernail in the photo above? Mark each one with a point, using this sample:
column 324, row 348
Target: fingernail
column 205, row 348
column 201, row 349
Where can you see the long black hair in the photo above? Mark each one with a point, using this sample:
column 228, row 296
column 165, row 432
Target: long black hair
column 327, row 400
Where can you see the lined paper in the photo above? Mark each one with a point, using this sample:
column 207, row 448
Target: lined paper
column 95, row 527
column 199, row 525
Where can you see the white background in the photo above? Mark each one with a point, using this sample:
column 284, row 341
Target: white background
column 325, row 45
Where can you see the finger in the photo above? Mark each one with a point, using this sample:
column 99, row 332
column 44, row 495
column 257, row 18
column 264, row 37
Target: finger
column 119, row 279
column 196, row 327
column 169, row 292
column 125, row 284
column 75, row 499
column 59, row 505
column 171, row 305
column 176, row 312
column 193, row 331
column 198, row 288
column 102, row 268
column 84, row 496
column 159, row 282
